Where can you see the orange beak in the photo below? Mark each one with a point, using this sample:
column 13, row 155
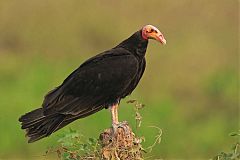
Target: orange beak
column 158, row 37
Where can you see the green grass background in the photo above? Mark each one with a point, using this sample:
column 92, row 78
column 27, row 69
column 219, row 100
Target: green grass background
column 190, row 86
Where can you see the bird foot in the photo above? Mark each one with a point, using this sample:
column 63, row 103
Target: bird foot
column 123, row 125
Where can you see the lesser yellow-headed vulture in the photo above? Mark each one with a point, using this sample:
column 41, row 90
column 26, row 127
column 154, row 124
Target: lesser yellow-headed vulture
column 100, row 82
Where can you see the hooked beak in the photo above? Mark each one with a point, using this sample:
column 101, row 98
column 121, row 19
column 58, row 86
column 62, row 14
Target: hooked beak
column 159, row 37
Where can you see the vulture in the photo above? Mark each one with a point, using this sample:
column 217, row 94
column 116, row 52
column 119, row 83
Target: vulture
column 100, row 82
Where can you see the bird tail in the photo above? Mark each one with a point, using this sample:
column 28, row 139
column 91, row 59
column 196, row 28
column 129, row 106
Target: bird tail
column 38, row 126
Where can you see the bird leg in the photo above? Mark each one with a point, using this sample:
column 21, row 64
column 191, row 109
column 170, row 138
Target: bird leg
column 115, row 123
column 114, row 111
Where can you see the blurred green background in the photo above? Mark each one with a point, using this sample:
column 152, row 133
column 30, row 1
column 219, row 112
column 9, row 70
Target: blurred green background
column 190, row 86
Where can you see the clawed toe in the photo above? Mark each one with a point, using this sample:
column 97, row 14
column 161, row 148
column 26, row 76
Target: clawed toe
column 123, row 125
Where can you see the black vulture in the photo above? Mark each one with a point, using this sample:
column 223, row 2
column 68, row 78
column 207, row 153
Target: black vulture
column 100, row 82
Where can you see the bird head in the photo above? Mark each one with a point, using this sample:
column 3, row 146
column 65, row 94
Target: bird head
column 151, row 32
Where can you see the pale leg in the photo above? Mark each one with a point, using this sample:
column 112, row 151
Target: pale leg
column 115, row 123
column 114, row 111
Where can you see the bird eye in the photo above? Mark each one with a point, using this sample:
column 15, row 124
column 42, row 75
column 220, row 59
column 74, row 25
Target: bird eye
column 150, row 31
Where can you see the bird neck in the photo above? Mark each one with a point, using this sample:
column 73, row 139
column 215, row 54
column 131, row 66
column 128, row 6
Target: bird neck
column 135, row 44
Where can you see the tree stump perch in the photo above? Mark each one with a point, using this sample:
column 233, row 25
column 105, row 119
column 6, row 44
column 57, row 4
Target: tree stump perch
column 121, row 144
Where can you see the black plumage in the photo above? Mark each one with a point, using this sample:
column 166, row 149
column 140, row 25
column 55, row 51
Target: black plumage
column 98, row 83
